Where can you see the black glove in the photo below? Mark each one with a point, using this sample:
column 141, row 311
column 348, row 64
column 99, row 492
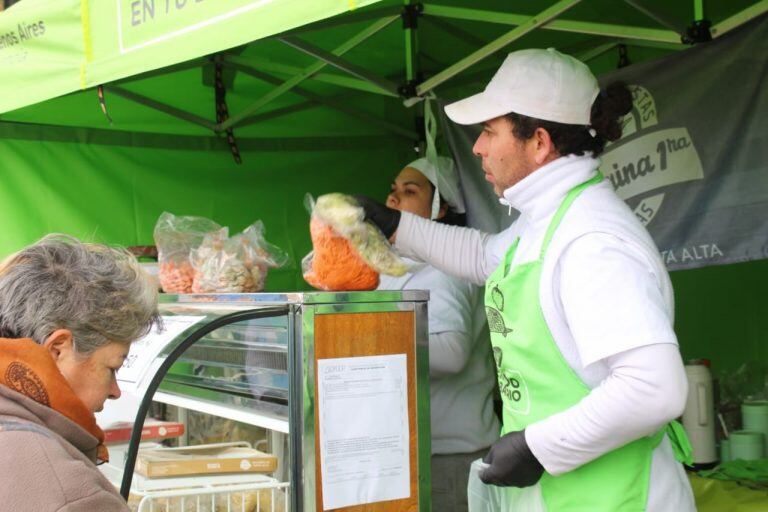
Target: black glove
column 511, row 462
column 386, row 219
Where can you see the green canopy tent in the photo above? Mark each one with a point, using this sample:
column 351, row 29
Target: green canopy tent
column 110, row 112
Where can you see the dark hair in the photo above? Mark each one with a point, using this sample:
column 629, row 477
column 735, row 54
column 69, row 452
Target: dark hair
column 451, row 217
column 613, row 103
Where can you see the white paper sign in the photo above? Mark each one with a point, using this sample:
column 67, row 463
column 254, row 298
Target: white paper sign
column 144, row 353
column 364, row 452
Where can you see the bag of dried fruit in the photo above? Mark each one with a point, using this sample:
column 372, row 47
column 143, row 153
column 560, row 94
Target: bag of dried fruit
column 175, row 237
column 234, row 265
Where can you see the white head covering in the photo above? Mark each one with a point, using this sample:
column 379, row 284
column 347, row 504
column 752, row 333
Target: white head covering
column 445, row 179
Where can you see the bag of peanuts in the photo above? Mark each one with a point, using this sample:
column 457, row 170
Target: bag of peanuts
column 234, row 265
column 175, row 237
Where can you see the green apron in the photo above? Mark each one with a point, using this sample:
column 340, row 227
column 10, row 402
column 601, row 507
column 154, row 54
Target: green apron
column 536, row 382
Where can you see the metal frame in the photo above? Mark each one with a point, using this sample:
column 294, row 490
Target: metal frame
column 314, row 68
column 162, row 107
column 740, row 18
column 286, row 69
column 305, row 356
column 358, row 78
column 382, row 83
column 656, row 15
column 581, row 27
column 531, row 23
column 340, row 105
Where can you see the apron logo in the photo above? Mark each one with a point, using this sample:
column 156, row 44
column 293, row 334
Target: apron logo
column 497, row 297
column 514, row 391
column 495, row 320
column 497, row 356
column 646, row 159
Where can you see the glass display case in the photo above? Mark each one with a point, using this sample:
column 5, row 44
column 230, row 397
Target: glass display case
column 254, row 359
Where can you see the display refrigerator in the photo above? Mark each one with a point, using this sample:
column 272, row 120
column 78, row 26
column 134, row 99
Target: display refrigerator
column 339, row 383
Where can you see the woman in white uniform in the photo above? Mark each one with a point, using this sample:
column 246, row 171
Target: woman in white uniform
column 460, row 362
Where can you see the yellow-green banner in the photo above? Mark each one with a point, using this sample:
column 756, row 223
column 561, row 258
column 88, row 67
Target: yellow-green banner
column 50, row 48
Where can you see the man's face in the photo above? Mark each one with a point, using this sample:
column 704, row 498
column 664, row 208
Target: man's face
column 506, row 160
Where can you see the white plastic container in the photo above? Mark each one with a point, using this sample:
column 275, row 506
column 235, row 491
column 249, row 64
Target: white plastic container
column 699, row 414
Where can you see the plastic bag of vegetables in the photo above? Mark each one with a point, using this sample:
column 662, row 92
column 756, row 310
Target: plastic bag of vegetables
column 348, row 252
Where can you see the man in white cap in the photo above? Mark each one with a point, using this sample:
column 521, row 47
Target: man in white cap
column 579, row 303
column 463, row 423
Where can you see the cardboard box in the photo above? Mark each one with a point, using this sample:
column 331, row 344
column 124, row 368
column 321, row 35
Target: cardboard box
column 152, row 429
column 204, row 459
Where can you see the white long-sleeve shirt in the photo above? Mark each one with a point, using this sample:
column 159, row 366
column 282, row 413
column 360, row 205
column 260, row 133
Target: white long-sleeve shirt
column 608, row 301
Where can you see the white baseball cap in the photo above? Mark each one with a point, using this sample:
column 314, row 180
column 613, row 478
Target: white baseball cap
column 543, row 84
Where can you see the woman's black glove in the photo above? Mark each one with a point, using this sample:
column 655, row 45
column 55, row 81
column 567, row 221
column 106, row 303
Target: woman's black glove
column 511, row 462
column 386, row 219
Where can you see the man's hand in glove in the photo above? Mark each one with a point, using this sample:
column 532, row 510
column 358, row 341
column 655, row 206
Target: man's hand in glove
column 511, row 462
column 385, row 218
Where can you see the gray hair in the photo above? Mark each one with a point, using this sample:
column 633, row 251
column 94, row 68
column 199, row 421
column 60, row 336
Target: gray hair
column 99, row 293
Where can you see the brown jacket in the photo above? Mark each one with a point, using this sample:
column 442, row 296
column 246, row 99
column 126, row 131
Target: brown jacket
column 47, row 461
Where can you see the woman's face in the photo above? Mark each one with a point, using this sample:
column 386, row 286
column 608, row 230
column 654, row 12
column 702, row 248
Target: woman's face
column 411, row 192
column 92, row 377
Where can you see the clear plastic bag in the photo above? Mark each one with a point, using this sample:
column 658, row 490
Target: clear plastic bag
column 490, row 498
column 234, row 265
column 175, row 237
column 349, row 253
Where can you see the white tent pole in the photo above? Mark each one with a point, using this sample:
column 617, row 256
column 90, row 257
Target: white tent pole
column 533, row 22
column 581, row 27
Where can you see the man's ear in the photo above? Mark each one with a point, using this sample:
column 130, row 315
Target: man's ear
column 544, row 148
column 60, row 344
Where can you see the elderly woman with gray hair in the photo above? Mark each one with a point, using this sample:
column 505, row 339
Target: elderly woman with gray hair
column 68, row 314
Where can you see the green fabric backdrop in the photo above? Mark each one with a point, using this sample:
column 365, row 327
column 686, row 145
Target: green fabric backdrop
column 65, row 168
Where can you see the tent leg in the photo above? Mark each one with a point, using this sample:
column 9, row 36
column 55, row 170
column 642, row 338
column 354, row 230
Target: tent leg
column 698, row 9
column 535, row 21
column 411, row 14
